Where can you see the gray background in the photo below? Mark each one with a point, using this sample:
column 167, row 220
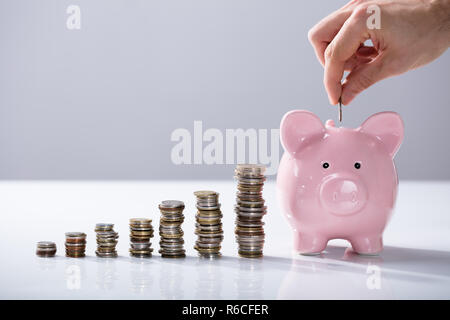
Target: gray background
column 101, row 102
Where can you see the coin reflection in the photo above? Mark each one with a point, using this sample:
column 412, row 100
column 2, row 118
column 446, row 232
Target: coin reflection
column 106, row 273
column 74, row 272
column 141, row 276
column 250, row 279
column 171, row 281
column 45, row 263
column 209, row 279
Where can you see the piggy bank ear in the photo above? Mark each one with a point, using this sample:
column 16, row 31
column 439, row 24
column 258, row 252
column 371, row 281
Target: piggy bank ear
column 298, row 128
column 386, row 127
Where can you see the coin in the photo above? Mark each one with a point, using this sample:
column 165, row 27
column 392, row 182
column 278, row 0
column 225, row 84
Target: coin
column 208, row 227
column 141, row 232
column 205, row 193
column 106, row 239
column 106, row 254
column 139, row 221
column 46, row 249
column 170, row 204
column 104, row 226
column 80, row 235
column 247, row 167
column 250, row 209
column 75, row 244
column 170, row 231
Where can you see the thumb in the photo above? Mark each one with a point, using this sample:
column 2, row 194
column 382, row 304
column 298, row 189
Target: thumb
column 363, row 77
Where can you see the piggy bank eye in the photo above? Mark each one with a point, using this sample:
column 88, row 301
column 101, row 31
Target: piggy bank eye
column 357, row 165
column 325, row 165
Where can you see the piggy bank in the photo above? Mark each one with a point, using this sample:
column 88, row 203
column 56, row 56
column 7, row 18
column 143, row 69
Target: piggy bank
column 338, row 183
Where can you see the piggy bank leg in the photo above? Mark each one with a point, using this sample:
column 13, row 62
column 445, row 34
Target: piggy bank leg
column 307, row 244
column 368, row 245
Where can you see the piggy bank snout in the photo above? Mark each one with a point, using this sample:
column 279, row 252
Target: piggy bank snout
column 343, row 195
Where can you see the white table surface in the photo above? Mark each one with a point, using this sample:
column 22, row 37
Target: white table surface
column 414, row 265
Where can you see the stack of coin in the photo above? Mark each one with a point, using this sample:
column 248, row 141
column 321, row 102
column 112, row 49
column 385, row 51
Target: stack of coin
column 209, row 224
column 46, row 249
column 250, row 209
column 141, row 231
column 75, row 244
column 106, row 240
column 171, row 234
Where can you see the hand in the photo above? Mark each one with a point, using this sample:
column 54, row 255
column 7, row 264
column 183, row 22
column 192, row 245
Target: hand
column 412, row 33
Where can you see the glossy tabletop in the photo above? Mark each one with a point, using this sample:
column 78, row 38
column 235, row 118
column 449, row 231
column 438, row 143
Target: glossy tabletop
column 415, row 263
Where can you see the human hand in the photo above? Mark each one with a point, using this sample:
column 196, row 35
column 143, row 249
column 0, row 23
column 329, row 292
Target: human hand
column 412, row 33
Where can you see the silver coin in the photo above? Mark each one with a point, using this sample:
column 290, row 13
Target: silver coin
column 207, row 245
column 250, row 247
column 46, row 249
column 210, row 240
column 75, row 244
column 46, row 244
column 141, row 229
column 107, row 244
column 104, row 226
column 206, row 208
column 171, row 248
column 208, row 205
column 171, row 232
column 106, row 233
column 172, row 204
column 210, row 227
column 106, row 254
column 75, row 235
column 176, row 227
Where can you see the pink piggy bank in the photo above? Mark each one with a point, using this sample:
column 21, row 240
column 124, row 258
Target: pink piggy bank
column 338, row 183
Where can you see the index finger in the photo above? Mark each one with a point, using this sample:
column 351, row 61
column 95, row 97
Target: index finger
column 323, row 32
column 342, row 48
column 326, row 29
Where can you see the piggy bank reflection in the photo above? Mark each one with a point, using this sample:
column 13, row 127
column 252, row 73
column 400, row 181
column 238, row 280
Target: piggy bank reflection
column 338, row 183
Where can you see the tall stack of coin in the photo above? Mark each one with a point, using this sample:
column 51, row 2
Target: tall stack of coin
column 141, row 231
column 209, row 224
column 106, row 240
column 75, row 244
column 250, row 209
column 46, row 249
column 171, row 234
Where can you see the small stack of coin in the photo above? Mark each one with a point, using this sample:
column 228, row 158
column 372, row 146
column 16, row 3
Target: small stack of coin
column 46, row 249
column 171, row 234
column 106, row 240
column 75, row 244
column 141, row 231
column 250, row 209
column 209, row 224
